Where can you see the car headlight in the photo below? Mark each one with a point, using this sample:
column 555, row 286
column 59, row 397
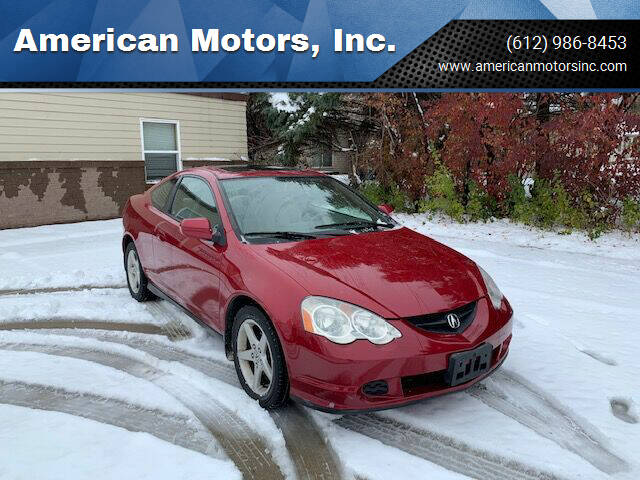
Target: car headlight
column 495, row 294
column 342, row 322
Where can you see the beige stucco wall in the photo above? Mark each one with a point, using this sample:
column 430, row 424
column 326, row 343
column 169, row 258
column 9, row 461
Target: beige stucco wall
column 106, row 126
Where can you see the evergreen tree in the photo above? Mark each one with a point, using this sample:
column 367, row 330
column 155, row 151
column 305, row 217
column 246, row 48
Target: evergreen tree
column 287, row 122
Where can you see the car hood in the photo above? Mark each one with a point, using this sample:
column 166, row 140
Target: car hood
column 395, row 273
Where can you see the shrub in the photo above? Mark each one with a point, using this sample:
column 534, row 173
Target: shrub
column 551, row 207
column 631, row 214
column 442, row 195
column 520, row 208
column 394, row 196
column 480, row 206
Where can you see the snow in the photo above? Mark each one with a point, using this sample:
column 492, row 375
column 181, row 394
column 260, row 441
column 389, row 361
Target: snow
column 342, row 178
column 55, row 446
column 105, row 305
column 345, row 178
column 573, row 363
column 234, row 399
column 573, row 301
column 282, row 102
column 84, row 377
column 62, row 255
column 617, row 245
column 359, row 452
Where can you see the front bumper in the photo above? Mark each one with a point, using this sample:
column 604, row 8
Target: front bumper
column 331, row 378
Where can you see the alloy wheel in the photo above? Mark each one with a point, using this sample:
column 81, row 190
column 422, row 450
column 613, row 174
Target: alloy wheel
column 133, row 271
column 254, row 357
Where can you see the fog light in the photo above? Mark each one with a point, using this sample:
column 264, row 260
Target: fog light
column 377, row 387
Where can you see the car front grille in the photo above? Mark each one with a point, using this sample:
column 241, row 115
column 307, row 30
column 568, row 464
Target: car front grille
column 437, row 322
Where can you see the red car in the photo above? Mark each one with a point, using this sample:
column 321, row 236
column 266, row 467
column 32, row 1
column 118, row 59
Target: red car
column 320, row 296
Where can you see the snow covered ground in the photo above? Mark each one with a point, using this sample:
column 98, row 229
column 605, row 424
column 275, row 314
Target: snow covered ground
column 141, row 391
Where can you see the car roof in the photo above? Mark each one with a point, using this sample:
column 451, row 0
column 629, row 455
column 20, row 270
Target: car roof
column 241, row 171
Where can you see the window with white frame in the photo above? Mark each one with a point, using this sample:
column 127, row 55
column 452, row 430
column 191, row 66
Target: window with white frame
column 160, row 148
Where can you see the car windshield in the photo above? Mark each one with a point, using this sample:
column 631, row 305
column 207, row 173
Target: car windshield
column 298, row 207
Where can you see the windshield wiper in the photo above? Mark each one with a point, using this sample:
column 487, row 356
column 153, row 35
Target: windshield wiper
column 353, row 225
column 285, row 235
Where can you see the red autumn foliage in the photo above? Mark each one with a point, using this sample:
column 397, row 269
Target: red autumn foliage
column 583, row 141
column 398, row 156
column 590, row 147
column 483, row 138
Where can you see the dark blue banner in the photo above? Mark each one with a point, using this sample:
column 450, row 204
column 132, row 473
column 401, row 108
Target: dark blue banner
column 243, row 40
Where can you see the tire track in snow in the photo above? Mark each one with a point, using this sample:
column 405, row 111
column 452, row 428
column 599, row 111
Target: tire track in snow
column 180, row 430
column 442, row 450
column 241, row 444
column 516, row 398
column 173, row 330
column 224, row 372
column 177, row 329
column 312, row 457
column 80, row 288
column 71, row 323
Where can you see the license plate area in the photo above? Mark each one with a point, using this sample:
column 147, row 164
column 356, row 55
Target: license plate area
column 465, row 366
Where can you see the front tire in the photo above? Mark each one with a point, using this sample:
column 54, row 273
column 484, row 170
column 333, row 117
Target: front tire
column 258, row 358
column 136, row 279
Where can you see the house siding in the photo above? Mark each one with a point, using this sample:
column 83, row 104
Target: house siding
column 106, row 126
column 78, row 156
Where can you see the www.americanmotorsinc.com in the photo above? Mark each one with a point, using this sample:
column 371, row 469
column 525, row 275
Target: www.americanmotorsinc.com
column 554, row 66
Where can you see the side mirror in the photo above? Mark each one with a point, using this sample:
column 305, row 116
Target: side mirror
column 218, row 236
column 385, row 208
column 196, row 228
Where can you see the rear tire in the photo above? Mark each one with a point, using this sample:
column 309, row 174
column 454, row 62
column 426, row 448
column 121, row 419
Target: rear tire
column 257, row 350
column 136, row 279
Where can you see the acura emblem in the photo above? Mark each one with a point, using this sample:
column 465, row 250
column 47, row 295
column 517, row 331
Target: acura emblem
column 453, row 320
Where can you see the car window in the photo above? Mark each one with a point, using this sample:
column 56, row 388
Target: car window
column 160, row 194
column 194, row 199
column 300, row 204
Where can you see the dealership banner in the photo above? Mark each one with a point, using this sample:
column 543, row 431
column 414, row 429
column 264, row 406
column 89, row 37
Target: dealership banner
column 404, row 44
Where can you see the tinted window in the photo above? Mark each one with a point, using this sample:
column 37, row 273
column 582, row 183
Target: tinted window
column 160, row 194
column 194, row 199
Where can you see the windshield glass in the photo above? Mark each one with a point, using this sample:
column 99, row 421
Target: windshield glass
column 306, row 205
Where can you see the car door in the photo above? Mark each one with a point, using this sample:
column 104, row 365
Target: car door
column 159, row 201
column 192, row 275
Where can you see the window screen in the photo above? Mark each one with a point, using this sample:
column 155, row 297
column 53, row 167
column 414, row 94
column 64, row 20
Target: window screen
column 194, row 199
column 161, row 153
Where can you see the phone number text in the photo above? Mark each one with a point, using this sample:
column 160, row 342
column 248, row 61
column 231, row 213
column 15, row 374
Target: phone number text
column 542, row 43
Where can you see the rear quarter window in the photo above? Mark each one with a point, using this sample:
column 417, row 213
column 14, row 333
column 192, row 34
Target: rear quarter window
column 160, row 194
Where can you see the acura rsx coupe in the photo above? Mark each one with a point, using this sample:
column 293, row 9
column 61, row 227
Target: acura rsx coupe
column 320, row 296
